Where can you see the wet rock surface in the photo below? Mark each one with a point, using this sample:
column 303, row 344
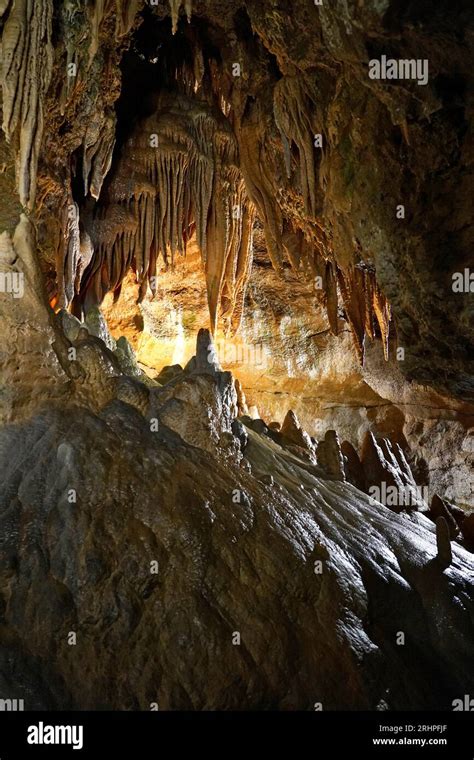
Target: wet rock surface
column 225, row 565
column 190, row 580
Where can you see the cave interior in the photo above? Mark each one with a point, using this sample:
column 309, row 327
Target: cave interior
column 237, row 367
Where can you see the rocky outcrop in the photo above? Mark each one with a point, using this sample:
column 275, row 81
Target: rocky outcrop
column 215, row 569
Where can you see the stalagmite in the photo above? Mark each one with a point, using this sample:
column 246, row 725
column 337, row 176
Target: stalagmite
column 353, row 469
column 293, row 433
column 380, row 473
column 445, row 554
column 467, row 529
column 439, row 509
column 329, row 456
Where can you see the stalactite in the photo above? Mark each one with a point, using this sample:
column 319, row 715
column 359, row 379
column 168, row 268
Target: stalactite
column 126, row 13
column 199, row 68
column 352, row 286
column 98, row 146
column 86, row 252
column 294, row 103
column 331, row 298
column 175, row 6
column 370, row 285
column 244, row 266
column 96, row 14
column 362, row 299
column 259, row 183
column 179, row 170
column 71, row 258
column 185, row 171
column 76, row 28
column 215, row 254
column 27, row 61
column 383, row 313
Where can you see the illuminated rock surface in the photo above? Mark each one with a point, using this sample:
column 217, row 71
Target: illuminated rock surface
column 236, row 553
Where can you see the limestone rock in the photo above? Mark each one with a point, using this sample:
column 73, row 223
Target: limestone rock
column 128, row 512
column 467, row 529
column 352, row 466
column 445, row 555
column 97, row 326
column 168, row 374
column 439, row 508
column 330, row 457
column 69, row 324
column 128, row 364
column 31, row 358
column 247, row 545
column 200, row 404
column 292, row 432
